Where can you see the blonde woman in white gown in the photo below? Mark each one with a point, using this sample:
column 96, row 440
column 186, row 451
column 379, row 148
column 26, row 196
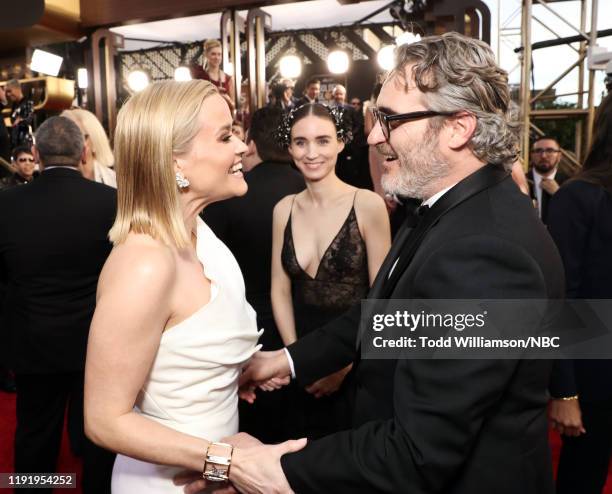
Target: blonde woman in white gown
column 172, row 328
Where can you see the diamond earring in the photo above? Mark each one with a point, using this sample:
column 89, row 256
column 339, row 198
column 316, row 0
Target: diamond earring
column 181, row 181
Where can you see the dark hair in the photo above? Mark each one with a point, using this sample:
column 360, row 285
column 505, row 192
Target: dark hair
column 597, row 168
column 278, row 90
column 336, row 115
column 20, row 150
column 59, row 141
column 264, row 124
column 313, row 80
column 541, row 138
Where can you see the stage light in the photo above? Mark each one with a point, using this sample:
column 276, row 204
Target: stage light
column 290, row 67
column 82, row 79
column 46, row 63
column 407, row 38
column 386, row 57
column 182, row 74
column 138, row 80
column 337, row 62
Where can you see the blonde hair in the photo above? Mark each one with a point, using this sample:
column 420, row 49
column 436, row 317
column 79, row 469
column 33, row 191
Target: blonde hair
column 209, row 44
column 89, row 123
column 152, row 127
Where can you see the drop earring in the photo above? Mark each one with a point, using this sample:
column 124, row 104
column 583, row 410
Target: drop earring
column 181, row 180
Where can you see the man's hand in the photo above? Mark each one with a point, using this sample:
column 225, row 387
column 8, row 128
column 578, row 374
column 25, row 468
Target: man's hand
column 194, row 483
column 328, row 384
column 566, row 417
column 263, row 367
column 257, row 470
column 549, row 185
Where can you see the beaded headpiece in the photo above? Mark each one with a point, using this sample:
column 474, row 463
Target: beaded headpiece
column 343, row 132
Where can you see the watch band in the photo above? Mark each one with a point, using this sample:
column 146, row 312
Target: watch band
column 217, row 462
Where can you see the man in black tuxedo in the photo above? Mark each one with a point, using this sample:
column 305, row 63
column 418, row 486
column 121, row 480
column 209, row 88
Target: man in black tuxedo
column 544, row 177
column 53, row 244
column 311, row 92
column 432, row 426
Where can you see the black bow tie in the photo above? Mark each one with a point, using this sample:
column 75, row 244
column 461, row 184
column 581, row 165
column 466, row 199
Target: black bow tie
column 421, row 211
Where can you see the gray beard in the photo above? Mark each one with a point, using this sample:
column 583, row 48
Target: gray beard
column 418, row 171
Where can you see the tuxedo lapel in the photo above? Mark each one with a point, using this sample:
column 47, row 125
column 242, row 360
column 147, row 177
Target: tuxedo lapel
column 484, row 178
column 383, row 273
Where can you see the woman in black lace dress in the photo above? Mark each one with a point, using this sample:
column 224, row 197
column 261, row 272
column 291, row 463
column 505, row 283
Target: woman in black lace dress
column 328, row 244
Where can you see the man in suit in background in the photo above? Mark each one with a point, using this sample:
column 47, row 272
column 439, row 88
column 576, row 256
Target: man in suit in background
column 545, row 178
column 469, row 426
column 244, row 224
column 53, row 245
column 311, row 92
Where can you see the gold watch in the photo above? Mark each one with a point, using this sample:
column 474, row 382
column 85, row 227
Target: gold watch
column 217, row 462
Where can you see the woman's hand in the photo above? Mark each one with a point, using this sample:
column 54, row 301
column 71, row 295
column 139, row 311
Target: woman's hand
column 566, row 417
column 329, row 384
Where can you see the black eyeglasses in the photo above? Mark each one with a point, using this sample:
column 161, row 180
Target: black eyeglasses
column 546, row 151
column 23, row 160
column 385, row 120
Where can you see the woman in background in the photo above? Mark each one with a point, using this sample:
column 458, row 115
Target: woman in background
column 211, row 71
column 581, row 406
column 99, row 160
column 328, row 243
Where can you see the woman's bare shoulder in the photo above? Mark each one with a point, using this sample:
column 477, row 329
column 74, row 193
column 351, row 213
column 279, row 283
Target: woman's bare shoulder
column 140, row 260
column 283, row 207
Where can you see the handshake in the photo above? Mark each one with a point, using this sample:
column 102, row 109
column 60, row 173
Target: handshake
column 255, row 467
column 271, row 370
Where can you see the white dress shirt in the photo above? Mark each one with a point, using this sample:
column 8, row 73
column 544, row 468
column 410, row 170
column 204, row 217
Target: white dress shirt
column 537, row 182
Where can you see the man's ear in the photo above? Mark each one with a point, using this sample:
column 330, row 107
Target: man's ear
column 84, row 153
column 36, row 155
column 460, row 129
column 251, row 148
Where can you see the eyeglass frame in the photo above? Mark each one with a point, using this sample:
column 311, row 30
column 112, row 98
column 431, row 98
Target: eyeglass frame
column 545, row 151
column 23, row 160
column 383, row 119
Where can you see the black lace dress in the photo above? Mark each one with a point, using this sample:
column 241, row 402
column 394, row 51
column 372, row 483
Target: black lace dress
column 340, row 282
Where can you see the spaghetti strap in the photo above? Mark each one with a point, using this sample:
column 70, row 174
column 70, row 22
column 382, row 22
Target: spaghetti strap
column 292, row 202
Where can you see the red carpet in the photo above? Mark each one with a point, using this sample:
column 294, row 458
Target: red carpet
column 68, row 463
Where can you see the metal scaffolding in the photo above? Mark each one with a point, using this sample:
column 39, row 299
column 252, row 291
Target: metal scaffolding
column 585, row 110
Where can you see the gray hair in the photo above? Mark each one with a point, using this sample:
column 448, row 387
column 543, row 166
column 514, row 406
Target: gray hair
column 13, row 83
column 457, row 73
column 59, row 141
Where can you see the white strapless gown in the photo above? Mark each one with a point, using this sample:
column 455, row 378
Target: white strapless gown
column 193, row 383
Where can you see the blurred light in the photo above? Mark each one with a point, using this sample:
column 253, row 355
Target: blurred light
column 386, row 57
column 337, row 62
column 46, row 63
column 182, row 74
column 138, row 80
column 290, row 67
column 228, row 68
column 407, row 38
column 82, row 79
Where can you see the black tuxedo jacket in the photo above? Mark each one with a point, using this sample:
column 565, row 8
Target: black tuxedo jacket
column 442, row 426
column 560, row 177
column 579, row 222
column 53, row 244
